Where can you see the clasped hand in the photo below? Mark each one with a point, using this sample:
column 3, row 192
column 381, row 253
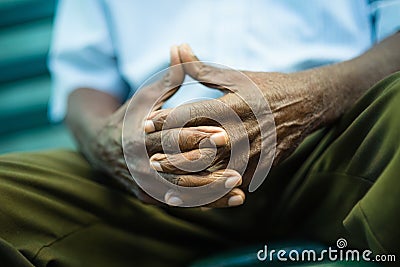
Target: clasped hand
column 294, row 99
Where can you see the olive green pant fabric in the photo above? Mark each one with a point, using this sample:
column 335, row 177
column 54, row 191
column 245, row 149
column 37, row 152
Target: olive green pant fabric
column 342, row 182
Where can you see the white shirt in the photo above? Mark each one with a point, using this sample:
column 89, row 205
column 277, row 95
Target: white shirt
column 115, row 45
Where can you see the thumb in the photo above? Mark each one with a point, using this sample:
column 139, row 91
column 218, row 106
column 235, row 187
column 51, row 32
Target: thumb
column 206, row 74
column 175, row 74
column 172, row 79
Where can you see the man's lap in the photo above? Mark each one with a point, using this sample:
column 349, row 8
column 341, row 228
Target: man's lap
column 55, row 207
column 52, row 203
column 354, row 168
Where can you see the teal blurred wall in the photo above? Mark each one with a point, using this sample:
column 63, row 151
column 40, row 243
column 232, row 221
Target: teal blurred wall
column 25, row 34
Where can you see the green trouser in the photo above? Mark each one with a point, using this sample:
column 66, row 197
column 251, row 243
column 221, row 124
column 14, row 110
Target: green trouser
column 342, row 182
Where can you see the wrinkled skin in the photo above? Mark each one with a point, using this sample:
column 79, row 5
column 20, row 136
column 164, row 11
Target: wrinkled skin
column 296, row 112
column 300, row 102
column 107, row 154
column 105, row 151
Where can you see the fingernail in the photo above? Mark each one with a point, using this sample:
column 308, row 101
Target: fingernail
column 219, row 139
column 156, row 165
column 232, row 181
column 235, row 201
column 149, row 126
column 174, row 201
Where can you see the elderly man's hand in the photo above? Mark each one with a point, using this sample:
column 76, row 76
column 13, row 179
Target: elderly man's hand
column 105, row 149
column 296, row 101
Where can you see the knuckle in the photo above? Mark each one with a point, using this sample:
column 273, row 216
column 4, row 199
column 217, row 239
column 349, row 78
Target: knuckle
column 153, row 142
column 193, row 138
column 169, row 141
column 176, row 118
column 209, row 154
column 159, row 120
column 195, row 113
column 203, row 71
column 158, row 157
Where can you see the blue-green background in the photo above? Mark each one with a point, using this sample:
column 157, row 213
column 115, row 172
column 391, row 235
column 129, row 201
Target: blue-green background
column 25, row 35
